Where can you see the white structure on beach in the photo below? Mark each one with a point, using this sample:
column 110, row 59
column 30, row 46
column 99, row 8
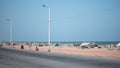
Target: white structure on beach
column 84, row 44
column 118, row 44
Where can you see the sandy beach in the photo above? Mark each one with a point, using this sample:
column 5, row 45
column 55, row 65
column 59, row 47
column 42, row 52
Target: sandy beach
column 103, row 52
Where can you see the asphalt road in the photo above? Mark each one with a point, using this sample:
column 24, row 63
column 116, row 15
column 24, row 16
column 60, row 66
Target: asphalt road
column 10, row 58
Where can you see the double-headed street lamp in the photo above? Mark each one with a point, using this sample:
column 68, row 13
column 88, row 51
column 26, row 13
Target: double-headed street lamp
column 48, row 27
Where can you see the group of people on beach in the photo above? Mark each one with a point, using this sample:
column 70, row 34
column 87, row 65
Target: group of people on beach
column 36, row 49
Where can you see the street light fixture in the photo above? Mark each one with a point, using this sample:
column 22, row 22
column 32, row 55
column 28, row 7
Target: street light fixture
column 48, row 27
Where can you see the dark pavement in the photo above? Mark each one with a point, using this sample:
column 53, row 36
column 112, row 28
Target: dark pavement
column 11, row 58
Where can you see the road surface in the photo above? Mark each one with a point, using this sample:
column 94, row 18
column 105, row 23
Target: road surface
column 11, row 58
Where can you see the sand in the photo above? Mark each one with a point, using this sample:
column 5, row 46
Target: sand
column 103, row 52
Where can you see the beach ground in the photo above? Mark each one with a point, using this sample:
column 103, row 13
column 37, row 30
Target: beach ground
column 103, row 52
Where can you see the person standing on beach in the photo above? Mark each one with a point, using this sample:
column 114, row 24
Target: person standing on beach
column 30, row 45
column 22, row 47
column 37, row 49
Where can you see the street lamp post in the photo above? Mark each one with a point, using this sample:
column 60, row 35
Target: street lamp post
column 11, row 25
column 48, row 27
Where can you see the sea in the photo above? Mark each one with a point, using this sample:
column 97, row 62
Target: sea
column 70, row 42
column 74, row 42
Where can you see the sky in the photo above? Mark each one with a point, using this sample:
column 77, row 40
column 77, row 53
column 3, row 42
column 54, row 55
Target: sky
column 71, row 20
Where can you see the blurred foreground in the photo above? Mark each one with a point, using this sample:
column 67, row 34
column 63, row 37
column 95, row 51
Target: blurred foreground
column 12, row 58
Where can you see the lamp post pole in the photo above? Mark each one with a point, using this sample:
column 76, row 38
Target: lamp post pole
column 11, row 27
column 49, row 30
column 11, row 24
column 49, row 50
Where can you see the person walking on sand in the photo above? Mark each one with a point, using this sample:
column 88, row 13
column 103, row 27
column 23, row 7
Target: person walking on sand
column 30, row 45
column 37, row 49
column 22, row 47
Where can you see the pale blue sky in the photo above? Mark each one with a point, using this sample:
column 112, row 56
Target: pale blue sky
column 71, row 20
